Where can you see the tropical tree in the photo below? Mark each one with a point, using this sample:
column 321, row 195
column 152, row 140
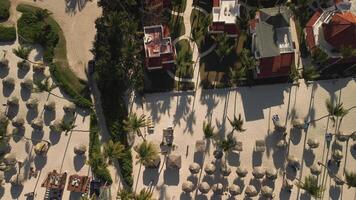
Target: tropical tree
column 335, row 110
column 294, row 74
column 125, row 194
column 237, row 76
column 350, row 179
column 237, row 124
column 42, row 14
column 311, row 186
column 242, row 24
column 226, row 144
column 247, row 60
column 22, row 52
column 224, row 46
column 113, row 150
column 144, row 195
column 310, row 73
column 67, row 125
column 184, row 64
column 44, row 86
column 208, row 130
column 133, row 123
column 146, row 152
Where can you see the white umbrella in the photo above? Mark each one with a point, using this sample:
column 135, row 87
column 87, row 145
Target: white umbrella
column 251, row 191
column 204, row 187
column 187, row 186
column 258, row 172
column 234, row 190
column 241, row 171
column 210, row 168
column 194, row 168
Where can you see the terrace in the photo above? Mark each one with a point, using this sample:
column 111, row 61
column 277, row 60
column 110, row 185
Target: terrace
column 224, row 16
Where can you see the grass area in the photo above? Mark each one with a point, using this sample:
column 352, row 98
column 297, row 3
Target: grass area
column 7, row 34
column 196, row 20
column 181, row 7
column 184, row 62
column 184, row 86
column 176, row 26
column 205, row 4
column 4, row 10
column 55, row 52
column 158, row 81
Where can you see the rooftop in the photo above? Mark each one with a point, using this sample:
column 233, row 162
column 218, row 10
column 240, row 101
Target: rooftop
column 155, row 41
column 226, row 11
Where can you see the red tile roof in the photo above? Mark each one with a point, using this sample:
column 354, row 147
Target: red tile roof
column 314, row 18
column 341, row 30
column 216, row 3
column 310, row 40
column 226, row 28
column 275, row 66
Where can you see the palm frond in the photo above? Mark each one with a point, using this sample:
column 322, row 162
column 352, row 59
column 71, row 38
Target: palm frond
column 350, row 178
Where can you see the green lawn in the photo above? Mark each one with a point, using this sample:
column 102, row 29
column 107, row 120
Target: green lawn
column 181, row 7
column 7, row 34
column 4, row 10
column 176, row 26
column 206, row 41
column 183, row 48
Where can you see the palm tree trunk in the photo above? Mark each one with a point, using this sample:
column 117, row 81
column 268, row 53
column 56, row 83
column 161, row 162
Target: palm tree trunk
column 347, row 149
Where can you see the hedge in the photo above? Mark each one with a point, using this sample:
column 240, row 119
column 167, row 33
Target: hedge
column 4, row 10
column 64, row 84
column 7, row 34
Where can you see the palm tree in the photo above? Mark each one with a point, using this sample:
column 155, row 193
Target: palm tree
column 350, row 179
column 310, row 73
column 146, row 153
column 237, row 76
column 144, row 195
column 42, row 14
column 125, row 194
column 242, row 24
column 247, row 60
column 224, row 46
column 226, row 145
column 133, row 123
column 67, row 126
column 23, row 53
column 45, row 86
column 335, row 111
column 113, row 150
column 311, row 186
column 237, row 124
column 208, row 130
column 184, row 63
column 294, row 74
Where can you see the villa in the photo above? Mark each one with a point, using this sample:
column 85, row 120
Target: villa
column 159, row 50
column 224, row 17
column 271, row 42
column 331, row 30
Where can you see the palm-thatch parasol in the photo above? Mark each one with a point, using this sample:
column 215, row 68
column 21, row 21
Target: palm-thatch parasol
column 13, row 101
column 238, row 146
column 174, row 162
column 37, row 124
column 218, row 154
column 287, row 184
column 292, row 160
column 50, row 105
column 18, row 179
column 210, row 168
column 271, row 173
column 337, row 154
column 80, row 149
column 241, row 171
column 10, row 159
column 260, row 146
column 267, row 192
column 200, row 146
column 4, row 63
column 3, row 118
column 18, row 122
column 225, row 169
column 339, row 179
column 218, row 189
column 258, row 172
column 8, row 82
column 32, row 102
column 251, row 191
column 204, row 187
column 281, row 144
column 188, row 187
column 194, row 168
column 298, row 123
column 56, row 126
column 154, row 163
column 69, row 108
column 41, row 147
column 38, row 68
column 315, row 169
column 27, row 83
column 313, row 143
column 234, row 190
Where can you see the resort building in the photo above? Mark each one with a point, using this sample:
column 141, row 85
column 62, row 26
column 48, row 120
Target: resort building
column 271, row 42
column 159, row 50
column 224, row 17
column 330, row 30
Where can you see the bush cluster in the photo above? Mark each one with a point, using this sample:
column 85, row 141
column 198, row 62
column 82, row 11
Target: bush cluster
column 4, row 10
column 7, row 34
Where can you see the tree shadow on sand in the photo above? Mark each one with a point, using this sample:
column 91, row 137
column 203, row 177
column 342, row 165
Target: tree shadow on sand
column 72, row 6
column 171, row 177
column 21, row 73
column 257, row 158
column 7, row 90
column 4, row 71
column 295, row 135
column 16, row 191
column 150, row 176
column 48, row 117
column 309, row 157
column 25, row 94
column 40, row 161
column 334, row 192
column 54, row 137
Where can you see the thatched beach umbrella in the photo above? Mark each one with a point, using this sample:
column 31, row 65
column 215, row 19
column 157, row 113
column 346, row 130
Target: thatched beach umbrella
column 10, row 159
column 38, row 68
column 258, row 172
column 298, row 123
column 154, row 163
column 27, row 83
column 37, row 123
column 241, row 171
column 200, row 146
column 56, row 126
column 315, row 169
column 204, row 187
column 260, row 146
column 32, row 102
column 188, row 187
column 80, row 149
column 69, row 108
column 3, row 118
column 218, row 188
column 267, row 192
column 8, row 82
column 225, row 170
column 41, row 147
column 251, row 191
column 174, row 162
column 271, row 173
column 287, row 184
column 4, row 63
column 50, row 105
column 337, row 154
column 234, row 190
column 218, row 154
column 210, row 168
column 18, row 122
column 313, row 143
column 18, row 179
column 281, row 144
column 13, row 101
column 293, row 160
column 194, row 168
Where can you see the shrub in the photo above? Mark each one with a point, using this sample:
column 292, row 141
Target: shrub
column 4, row 10
column 7, row 34
column 103, row 174
column 126, row 168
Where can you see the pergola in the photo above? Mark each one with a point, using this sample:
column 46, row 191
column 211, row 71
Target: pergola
column 78, row 183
